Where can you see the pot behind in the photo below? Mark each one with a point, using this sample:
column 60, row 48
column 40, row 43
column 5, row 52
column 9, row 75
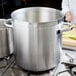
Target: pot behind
column 6, row 43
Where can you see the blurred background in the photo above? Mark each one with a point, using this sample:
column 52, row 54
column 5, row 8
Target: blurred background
column 7, row 6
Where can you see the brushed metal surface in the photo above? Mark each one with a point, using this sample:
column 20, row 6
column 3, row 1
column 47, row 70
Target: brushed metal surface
column 35, row 37
column 5, row 40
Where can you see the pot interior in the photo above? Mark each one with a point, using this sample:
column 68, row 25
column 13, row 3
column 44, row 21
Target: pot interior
column 36, row 14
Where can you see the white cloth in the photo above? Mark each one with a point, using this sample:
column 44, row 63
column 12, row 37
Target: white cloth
column 69, row 5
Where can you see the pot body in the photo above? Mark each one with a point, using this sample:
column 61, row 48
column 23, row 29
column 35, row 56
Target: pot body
column 6, row 43
column 36, row 33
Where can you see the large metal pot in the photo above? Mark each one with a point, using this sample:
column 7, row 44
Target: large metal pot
column 37, row 37
column 6, row 43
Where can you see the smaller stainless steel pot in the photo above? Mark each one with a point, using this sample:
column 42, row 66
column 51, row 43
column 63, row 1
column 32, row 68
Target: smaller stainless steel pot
column 6, row 43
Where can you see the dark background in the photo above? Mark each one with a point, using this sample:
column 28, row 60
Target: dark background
column 47, row 3
column 7, row 6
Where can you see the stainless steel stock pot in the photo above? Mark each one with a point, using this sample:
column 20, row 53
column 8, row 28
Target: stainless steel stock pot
column 6, row 41
column 37, row 38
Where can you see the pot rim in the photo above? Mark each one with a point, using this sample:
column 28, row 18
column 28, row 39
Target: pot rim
column 58, row 19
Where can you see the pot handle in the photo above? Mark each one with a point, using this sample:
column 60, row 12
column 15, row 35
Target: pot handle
column 8, row 23
column 67, row 29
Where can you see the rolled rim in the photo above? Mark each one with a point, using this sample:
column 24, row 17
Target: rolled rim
column 45, row 8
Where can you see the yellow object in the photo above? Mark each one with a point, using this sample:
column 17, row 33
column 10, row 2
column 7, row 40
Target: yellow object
column 69, row 38
column 68, row 35
column 74, row 26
